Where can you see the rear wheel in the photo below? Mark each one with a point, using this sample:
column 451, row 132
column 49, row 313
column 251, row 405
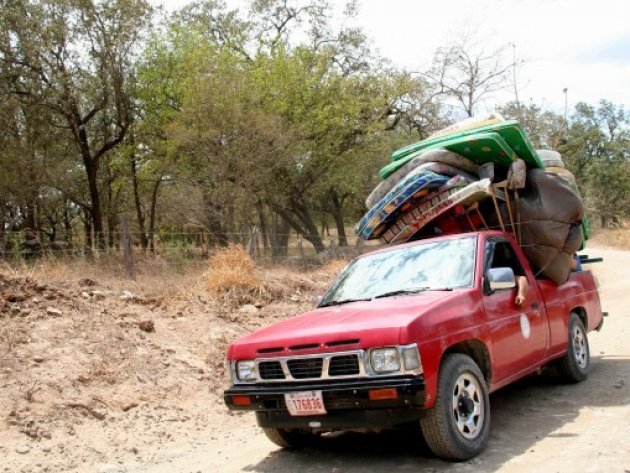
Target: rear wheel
column 290, row 438
column 458, row 425
column 575, row 365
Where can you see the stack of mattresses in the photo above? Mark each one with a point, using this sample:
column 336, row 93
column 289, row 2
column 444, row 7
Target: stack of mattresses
column 442, row 185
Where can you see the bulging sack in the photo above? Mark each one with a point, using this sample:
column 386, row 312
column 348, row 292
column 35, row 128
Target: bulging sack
column 550, row 212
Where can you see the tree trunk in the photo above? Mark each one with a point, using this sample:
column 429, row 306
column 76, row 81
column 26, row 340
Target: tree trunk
column 144, row 242
column 337, row 213
column 263, row 224
column 152, row 213
column 88, row 231
column 3, row 238
column 112, row 227
column 280, row 237
column 311, row 233
column 214, row 213
column 300, row 218
column 96, row 216
column 67, row 225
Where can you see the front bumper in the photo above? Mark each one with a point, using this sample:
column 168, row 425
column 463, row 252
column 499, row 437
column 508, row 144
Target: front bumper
column 347, row 403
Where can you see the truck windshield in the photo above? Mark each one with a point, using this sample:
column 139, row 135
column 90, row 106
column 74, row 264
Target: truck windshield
column 442, row 265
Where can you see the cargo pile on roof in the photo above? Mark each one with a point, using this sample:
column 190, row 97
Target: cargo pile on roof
column 481, row 173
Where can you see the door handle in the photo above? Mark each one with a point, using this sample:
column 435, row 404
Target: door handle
column 535, row 306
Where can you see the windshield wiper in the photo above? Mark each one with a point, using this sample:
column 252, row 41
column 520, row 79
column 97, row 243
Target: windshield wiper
column 397, row 292
column 412, row 290
column 343, row 301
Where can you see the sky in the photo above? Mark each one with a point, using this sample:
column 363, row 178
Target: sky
column 583, row 46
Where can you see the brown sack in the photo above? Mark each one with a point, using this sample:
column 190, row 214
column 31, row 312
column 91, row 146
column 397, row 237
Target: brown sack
column 550, row 212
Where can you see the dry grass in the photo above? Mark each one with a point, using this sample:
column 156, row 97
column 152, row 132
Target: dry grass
column 614, row 238
column 153, row 274
column 335, row 266
column 232, row 276
column 235, row 279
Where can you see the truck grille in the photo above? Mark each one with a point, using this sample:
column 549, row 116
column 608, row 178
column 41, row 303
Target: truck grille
column 343, row 365
column 270, row 370
column 302, row 368
column 346, row 364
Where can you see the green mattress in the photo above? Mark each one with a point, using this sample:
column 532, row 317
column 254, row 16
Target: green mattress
column 478, row 147
column 511, row 131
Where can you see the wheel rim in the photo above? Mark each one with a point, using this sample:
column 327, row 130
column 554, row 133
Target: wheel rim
column 580, row 350
column 468, row 408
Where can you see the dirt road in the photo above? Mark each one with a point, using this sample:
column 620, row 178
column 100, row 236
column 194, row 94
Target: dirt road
column 95, row 380
column 538, row 425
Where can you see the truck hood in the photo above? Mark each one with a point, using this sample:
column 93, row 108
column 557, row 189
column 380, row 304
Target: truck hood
column 380, row 322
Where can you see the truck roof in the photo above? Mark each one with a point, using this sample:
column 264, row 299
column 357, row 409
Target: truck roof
column 452, row 236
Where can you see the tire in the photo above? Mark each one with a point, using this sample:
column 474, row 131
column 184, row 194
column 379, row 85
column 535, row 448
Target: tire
column 575, row 365
column 451, row 432
column 290, row 438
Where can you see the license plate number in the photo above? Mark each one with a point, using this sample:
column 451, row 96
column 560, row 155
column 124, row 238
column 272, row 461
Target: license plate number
column 305, row 403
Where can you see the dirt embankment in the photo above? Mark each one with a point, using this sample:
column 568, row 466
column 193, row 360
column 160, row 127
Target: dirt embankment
column 94, row 375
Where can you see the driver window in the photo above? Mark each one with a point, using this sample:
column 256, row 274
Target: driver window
column 504, row 257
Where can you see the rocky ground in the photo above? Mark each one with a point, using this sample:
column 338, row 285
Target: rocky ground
column 93, row 375
column 106, row 376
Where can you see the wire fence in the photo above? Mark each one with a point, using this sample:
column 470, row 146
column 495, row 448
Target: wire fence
column 26, row 246
column 178, row 246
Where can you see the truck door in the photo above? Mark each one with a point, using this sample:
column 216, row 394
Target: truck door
column 518, row 334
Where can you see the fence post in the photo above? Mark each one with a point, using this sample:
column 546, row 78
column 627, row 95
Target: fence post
column 333, row 247
column 251, row 244
column 301, row 250
column 127, row 248
column 3, row 240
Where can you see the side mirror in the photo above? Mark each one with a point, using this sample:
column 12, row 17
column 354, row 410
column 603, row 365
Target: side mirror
column 317, row 300
column 500, row 278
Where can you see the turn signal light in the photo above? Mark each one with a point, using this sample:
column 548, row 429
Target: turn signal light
column 382, row 394
column 241, row 400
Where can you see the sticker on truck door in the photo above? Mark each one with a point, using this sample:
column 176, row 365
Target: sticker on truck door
column 526, row 329
column 305, row 403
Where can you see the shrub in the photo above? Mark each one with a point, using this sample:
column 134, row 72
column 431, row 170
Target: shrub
column 232, row 276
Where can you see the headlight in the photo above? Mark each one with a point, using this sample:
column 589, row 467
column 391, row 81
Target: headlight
column 384, row 360
column 246, row 370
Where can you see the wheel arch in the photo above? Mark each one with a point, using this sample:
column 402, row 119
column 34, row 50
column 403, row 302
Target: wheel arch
column 581, row 313
column 478, row 351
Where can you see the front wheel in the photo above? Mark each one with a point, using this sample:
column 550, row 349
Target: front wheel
column 458, row 425
column 575, row 365
column 290, row 438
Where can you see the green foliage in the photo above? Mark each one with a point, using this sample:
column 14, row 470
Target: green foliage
column 217, row 120
column 545, row 128
column 597, row 150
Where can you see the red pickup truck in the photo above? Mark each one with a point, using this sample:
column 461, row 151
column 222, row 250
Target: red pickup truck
column 420, row 332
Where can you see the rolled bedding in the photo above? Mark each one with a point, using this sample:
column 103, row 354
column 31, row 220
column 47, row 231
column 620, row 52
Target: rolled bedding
column 414, row 186
column 435, row 166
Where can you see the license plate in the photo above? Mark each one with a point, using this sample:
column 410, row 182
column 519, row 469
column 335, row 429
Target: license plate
column 305, row 403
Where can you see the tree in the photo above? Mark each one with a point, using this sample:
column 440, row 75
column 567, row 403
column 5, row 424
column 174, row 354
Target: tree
column 597, row 150
column 545, row 128
column 467, row 73
column 74, row 59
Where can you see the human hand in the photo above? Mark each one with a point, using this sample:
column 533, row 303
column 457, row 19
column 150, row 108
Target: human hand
column 519, row 300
